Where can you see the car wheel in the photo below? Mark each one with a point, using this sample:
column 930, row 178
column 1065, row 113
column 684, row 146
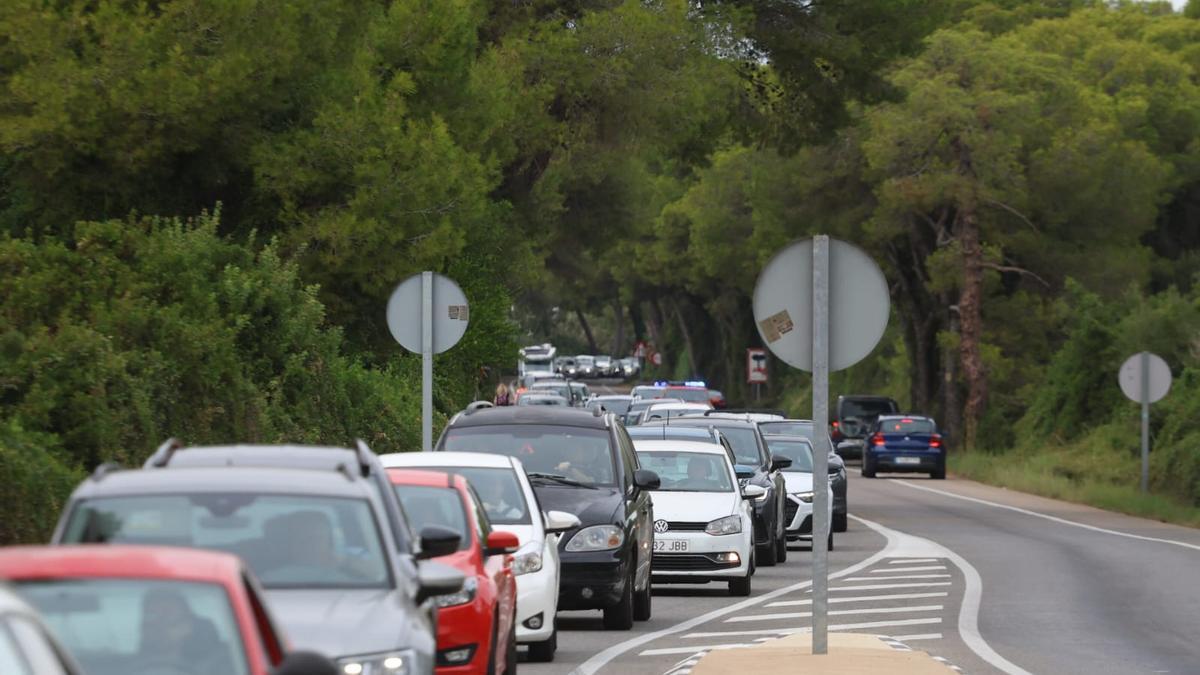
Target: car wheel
column 543, row 652
column 620, row 615
column 740, row 587
column 642, row 603
column 868, row 468
column 839, row 522
column 940, row 474
column 766, row 552
column 829, row 542
column 781, row 549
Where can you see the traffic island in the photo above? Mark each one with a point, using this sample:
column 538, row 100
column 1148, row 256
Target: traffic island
column 849, row 654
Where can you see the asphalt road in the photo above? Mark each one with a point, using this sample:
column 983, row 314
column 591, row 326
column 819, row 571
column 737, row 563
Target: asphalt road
column 987, row 579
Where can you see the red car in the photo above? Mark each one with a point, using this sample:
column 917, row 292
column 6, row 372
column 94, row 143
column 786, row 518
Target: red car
column 477, row 628
column 134, row 609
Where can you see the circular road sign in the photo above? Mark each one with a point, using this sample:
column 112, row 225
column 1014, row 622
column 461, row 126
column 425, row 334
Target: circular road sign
column 450, row 313
column 858, row 304
column 1130, row 377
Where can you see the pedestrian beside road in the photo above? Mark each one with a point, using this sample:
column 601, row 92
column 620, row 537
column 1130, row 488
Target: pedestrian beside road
column 503, row 396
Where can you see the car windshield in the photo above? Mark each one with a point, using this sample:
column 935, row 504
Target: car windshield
column 619, row 406
column 648, row 391
column 498, row 490
column 577, row 453
column 745, row 444
column 689, row 395
column 542, row 399
column 798, row 450
column 562, row 389
column 439, row 506
column 123, row 626
column 802, row 429
column 290, row 541
column 682, row 471
column 906, row 426
column 866, row 409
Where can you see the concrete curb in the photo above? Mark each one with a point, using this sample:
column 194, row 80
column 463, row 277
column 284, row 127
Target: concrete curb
column 849, row 654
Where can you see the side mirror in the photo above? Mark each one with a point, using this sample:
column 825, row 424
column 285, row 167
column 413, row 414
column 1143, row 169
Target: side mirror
column 780, row 463
column 435, row 578
column 500, row 543
column 306, row 663
column 753, row 491
column 558, row 522
column 646, row 479
column 743, row 471
column 438, row 541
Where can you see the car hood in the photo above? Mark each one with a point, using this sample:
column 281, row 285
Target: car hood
column 700, row 507
column 591, row 506
column 797, row 481
column 342, row 622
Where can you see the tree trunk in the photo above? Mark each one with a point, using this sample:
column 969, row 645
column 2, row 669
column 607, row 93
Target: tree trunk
column 618, row 349
column 587, row 332
column 687, row 337
column 951, row 401
column 970, row 306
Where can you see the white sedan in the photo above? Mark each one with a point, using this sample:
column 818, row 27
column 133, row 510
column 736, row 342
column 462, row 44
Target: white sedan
column 798, row 478
column 511, row 506
column 705, row 525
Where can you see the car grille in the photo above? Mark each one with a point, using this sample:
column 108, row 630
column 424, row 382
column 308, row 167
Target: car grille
column 760, row 529
column 805, row 526
column 687, row 562
column 789, row 511
column 685, row 526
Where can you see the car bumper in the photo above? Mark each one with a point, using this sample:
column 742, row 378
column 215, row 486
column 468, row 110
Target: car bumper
column 902, row 462
column 593, row 580
column 537, row 595
column 851, row 448
column 799, row 515
column 462, row 627
column 707, row 557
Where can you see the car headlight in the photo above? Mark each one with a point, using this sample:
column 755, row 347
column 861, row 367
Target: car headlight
column 527, row 562
column 806, row 497
column 398, row 662
column 461, row 597
column 726, row 525
column 597, row 538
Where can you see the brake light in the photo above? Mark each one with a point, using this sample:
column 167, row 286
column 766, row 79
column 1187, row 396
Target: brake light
column 877, row 439
column 835, row 424
column 935, row 441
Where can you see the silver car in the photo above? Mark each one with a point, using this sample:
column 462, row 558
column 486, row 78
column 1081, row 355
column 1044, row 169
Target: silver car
column 314, row 524
column 26, row 644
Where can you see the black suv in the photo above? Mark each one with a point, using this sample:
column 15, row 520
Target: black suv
column 754, row 466
column 853, row 419
column 581, row 462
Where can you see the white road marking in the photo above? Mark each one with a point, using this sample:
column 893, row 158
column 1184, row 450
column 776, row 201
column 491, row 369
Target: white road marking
column 968, row 613
column 835, row 612
column 918, row 636
column 864, row 598
column 927, row 568
column 880, row 587
column 806, row 629
column 689, row 650
column 902, row 576
column 1055, row 519
column 913, row 561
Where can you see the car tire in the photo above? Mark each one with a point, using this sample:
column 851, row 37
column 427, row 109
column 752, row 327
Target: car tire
column 741, row 587
column 839, row 522
column 766, row 553
column 510, row 652
column 829, row 542
column 642, row 603
column 781, row 549
column 620, row 615
column 868, row 467
column 543, row 652
column 940, row 474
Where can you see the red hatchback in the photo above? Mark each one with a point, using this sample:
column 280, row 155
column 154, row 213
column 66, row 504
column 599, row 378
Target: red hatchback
column 151, row 609
column 477, row 631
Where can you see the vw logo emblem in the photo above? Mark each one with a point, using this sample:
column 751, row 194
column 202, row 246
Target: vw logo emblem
column 661, row 526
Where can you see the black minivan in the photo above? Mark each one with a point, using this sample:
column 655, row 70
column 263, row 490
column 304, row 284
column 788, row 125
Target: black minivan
column 581, row 462
column 853, row 419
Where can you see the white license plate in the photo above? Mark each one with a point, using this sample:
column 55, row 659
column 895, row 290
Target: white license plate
column 908, row 460
column 670, row 546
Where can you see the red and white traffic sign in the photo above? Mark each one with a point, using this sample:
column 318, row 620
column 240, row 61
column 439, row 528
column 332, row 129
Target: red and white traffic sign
column 756, row 366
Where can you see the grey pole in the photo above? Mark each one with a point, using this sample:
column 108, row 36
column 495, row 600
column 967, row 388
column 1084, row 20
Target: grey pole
column 820, row 371
column 426, row 361
column 1145, row 396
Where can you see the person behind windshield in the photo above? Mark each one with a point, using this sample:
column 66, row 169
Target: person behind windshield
column 575, row 465
column 698, row 473
column 175, row 638
column 494, row 496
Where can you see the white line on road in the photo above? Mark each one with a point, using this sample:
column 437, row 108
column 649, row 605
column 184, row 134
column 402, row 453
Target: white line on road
column 1055, row 519
column 836, row 612
column 880, row 587
column 913, row 561
column 889, row 570
column 689, row 650
column 918, row 636
column 806, row 629
column 902, row 576
column 863, row 598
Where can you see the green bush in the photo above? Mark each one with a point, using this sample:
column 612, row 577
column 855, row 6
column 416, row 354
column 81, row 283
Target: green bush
column 36, row 485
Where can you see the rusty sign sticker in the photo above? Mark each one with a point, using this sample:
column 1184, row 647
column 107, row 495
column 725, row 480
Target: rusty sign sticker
column 776, row 326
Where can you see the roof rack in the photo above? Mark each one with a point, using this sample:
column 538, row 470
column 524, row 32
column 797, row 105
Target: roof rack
column 747, row 411
column 105, row 469
column 162, row 456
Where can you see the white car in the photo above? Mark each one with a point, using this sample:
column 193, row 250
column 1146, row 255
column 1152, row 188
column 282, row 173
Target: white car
column 665, row 410
column 798, row 480
column 512, row 506
column 704, row 527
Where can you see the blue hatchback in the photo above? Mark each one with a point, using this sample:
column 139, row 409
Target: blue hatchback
column 905, row 443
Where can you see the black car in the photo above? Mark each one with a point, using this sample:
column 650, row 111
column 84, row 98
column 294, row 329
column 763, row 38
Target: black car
column 852, row 421
column 581, row 462
column 755, row 467
column 838, row 482
column 905, row 443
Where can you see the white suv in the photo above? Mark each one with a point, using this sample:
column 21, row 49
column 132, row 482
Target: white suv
column 512, row 506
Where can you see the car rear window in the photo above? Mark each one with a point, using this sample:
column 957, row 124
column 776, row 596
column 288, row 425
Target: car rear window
column 289, row 541
column 689, row 395
column 906, row 425
column 577, row 453
column 866, row 408
column 443, row 507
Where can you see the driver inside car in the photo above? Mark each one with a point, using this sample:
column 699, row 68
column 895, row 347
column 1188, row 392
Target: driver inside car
column 575, row 465
column 175, row 640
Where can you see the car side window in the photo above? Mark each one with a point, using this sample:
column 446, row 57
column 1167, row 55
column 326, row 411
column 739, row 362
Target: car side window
column 628, row 456
column 483, row 527
column 273, row 650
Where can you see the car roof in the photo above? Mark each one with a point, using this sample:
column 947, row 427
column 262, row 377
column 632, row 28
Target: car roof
column 648, row 430
column 278, row 480
column 550, row 415
column 651, row 445
column 119, row 561
column 712, row 421
column 426, row 478
column 611, row 397
column 787, row 438
column 678, row 405
column 303, row 457
column 409, row 460
column 549, row 382
column 898, row 416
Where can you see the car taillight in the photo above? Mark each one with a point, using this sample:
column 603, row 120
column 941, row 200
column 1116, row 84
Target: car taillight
column 877, row 439
column 935, row 441
column 837, row 431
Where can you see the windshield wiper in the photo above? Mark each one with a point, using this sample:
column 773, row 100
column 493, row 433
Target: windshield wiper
column 534, row 475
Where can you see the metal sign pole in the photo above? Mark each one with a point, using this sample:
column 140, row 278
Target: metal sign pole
column 426, row 361
column 820, row 371
column 1145, row 389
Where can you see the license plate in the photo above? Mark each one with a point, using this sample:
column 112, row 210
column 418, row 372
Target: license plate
column 908, row 460
column 670, row 545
